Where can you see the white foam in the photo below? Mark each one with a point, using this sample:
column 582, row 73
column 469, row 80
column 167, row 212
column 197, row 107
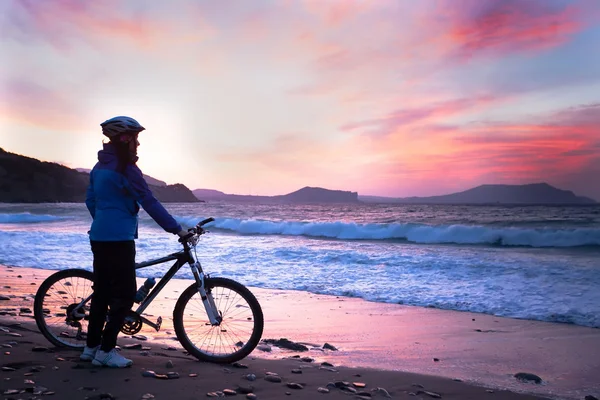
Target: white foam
column 415, row 233
column 27, row 218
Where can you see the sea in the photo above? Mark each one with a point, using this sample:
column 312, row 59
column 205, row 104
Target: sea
column 527, row 262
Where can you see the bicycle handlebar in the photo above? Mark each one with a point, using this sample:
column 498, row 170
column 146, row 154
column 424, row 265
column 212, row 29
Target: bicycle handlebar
column 206, row 221
column 197, row 230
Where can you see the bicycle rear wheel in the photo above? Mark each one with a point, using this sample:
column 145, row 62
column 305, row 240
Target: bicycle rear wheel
column 238, row 333
column 54, row 303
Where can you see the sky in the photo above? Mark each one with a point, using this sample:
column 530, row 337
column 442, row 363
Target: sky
column 390, row 98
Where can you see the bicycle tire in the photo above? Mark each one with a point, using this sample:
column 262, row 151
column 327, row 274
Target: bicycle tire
column 40, row 316
column 212, row 285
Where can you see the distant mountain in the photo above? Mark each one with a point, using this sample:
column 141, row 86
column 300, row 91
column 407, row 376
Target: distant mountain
column 28, row 180
column 207, row 193
column 535, row 193
column 304, row 195
column 149, row 180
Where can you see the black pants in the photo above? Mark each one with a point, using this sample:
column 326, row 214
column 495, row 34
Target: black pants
column 114, row 291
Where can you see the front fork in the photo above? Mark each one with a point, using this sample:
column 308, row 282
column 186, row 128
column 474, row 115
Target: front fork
column 214, row 316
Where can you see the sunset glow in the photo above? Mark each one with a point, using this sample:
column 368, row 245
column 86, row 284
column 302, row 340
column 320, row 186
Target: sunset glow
column 391, row 98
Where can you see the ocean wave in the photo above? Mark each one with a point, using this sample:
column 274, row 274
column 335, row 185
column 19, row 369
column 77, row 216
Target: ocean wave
column 27, row 218
column 413, row 232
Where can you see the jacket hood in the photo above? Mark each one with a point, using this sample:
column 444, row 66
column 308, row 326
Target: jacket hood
column 108, row 154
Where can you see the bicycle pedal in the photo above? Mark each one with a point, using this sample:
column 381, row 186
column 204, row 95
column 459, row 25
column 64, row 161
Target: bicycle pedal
column 158, row 323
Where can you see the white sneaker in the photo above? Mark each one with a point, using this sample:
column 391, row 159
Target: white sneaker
column 111, row 359
column 89, row 353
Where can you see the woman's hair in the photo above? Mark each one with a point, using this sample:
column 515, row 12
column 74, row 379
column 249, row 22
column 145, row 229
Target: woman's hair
column 124, row 156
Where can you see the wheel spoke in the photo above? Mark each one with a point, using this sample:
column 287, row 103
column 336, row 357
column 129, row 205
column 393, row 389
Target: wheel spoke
column 55, row 324
column 237, row 334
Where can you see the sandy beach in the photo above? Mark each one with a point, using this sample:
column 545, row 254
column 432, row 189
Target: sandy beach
column 410, row 352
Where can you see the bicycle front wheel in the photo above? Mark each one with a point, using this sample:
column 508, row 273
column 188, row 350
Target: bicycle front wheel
column 55, row 307
column 239, row 331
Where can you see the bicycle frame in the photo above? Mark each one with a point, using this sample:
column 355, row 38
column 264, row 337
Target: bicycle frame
column 181, row 258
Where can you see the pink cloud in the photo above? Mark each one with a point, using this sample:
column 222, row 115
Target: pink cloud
column 423, row 115
column 336, row 12
column 427, row 158
column 37, row 105
column 510, row 26
column 65, row 22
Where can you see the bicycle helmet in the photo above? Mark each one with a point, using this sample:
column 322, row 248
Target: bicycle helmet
column 119, row 125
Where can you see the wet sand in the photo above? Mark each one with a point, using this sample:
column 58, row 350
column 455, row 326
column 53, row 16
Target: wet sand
column 406, row 350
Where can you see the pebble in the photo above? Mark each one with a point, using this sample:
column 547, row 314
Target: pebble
column 140, row 337
column 322, row 390
column 329, row 347
column 193, row 375
column 273, row 378
column 326, row 364
column 147, row 396
column 263, row 347
column 294, row 385
column 528, row 377
column 329, row 369
column 8, row 369
column 135, row 346
column 2, row 297
column 430, row 394
column 359, row 384
column 229, row 392
column 381, row 391
column 250, row 377
column 239, row 365
column 245, row 389
column 296, row 371
column 102, row 396
column 251, row 396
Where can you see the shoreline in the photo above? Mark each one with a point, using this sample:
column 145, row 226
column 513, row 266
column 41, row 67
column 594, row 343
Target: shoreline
column 481, row 350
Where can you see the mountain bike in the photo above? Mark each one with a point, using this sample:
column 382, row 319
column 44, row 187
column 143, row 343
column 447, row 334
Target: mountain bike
column 215, row 319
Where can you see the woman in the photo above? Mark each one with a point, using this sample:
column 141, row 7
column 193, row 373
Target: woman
column 117, row 188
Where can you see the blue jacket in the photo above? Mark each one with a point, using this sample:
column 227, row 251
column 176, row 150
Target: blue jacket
column 112, row 199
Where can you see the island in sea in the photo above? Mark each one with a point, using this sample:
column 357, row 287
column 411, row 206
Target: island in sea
column 535, row 193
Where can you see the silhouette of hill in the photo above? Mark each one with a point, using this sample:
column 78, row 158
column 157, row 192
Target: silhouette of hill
column 28, row 180
column 535, row 193
column 304, row 195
